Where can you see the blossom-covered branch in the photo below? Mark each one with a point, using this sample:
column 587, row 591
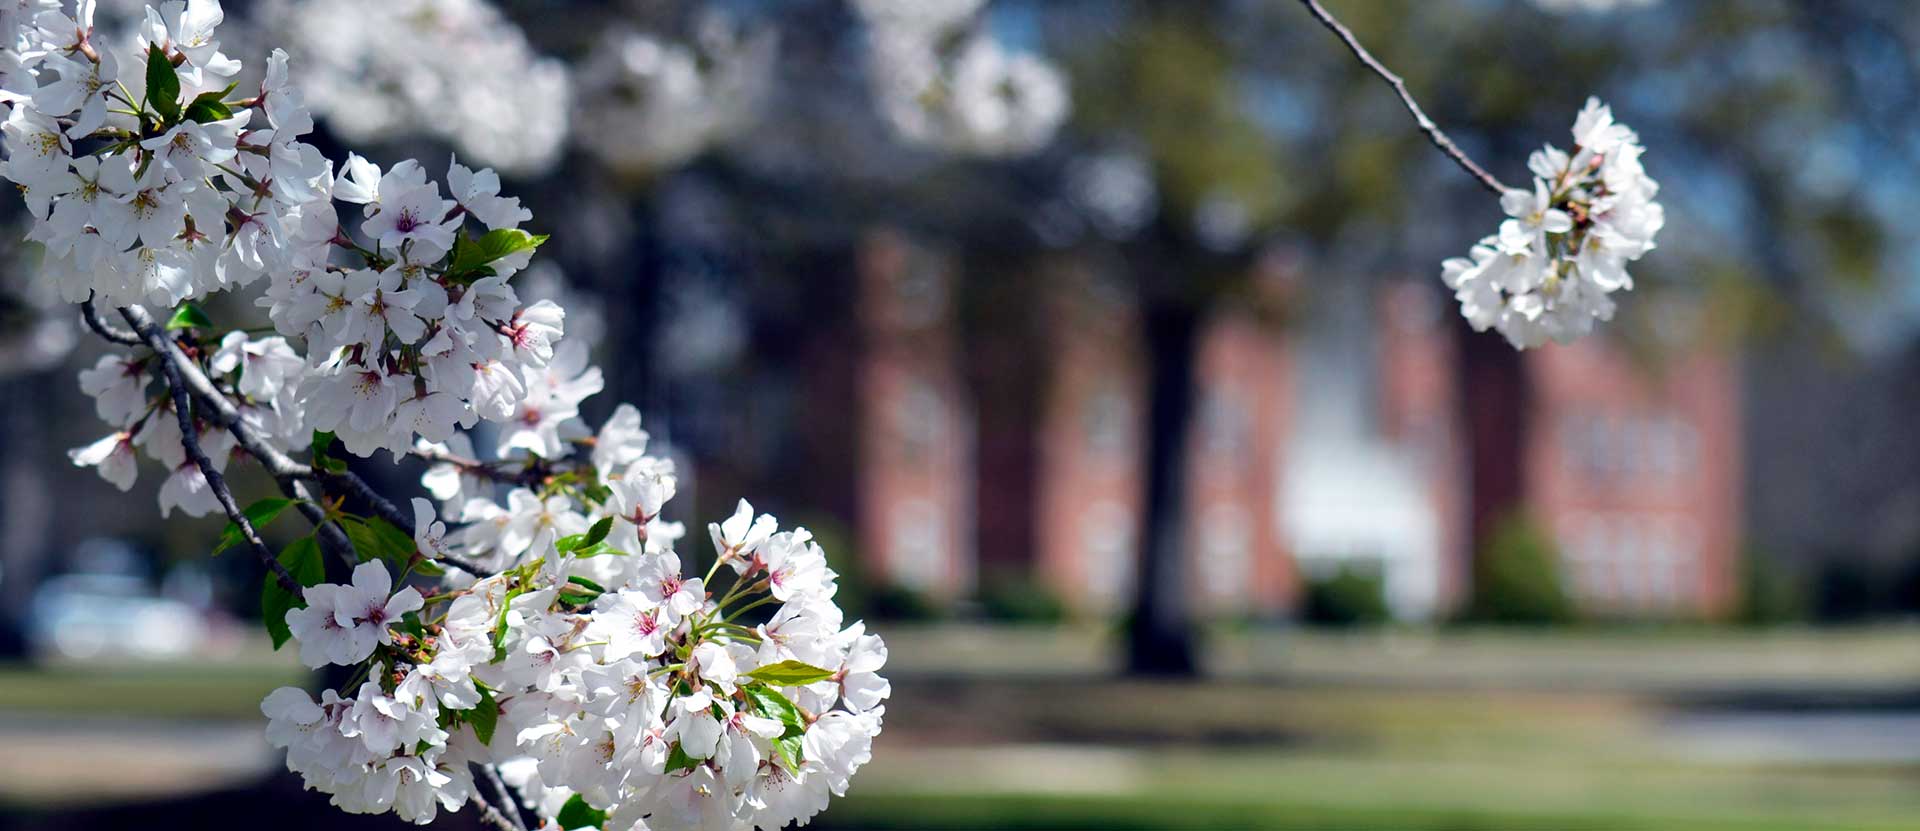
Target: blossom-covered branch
column 631, row 695
column 1434, row 133
column 190, row 444
column 1550, row 271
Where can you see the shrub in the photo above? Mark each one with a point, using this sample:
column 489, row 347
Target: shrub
column 1021, row 600
column 1350, row 596
column 1516, row 578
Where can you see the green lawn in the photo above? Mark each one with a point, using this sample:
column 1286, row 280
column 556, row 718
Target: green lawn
column 1017, row 728
column 224, row 690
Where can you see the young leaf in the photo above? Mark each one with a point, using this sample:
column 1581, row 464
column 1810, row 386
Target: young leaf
column 596, row 550
column 470, row 256
column 376, row 539
column 259, row 514
column 598, row 532
column 163, row 85
column 577, row 543
column 791, row 750
column 767, row 701
column 582, row 581
column 302, row 558
column 208, row 106
column 790, row 674
column 578, row 814
column 678, row 760
column 485, row 716
column 322, row 442
column 500, row 627
column 189, row 316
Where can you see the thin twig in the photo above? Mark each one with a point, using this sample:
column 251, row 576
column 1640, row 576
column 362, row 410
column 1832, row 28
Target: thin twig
column 1433, row 131
column 525, row 476
column 492, row 775
column 190, row 442
column 104, row 329
column 492, row 815
column 221, row 411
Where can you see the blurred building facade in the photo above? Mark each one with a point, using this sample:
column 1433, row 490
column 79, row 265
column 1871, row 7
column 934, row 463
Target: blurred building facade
column 1334, row 441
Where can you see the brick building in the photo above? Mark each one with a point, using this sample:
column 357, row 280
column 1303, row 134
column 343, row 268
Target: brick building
column 1335, row 442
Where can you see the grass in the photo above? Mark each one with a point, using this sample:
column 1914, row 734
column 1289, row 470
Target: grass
column 230, row 690
column 1382, row 731
column 1243, row 755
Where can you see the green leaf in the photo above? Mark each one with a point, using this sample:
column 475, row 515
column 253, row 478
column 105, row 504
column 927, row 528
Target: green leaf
column 322, row 442
column 470, row 256
column 500, row 627
column 579, row 597
column 790, row 674
column 163, row 85
column 767, row 701
column 208, row 106
column 376, row 539
column 578, row 814
column 259, row 514
column 302, row 558
column 485, row 716
column 189, row 316
column 678, row 760
column 596, row 550
column 593, row 536
column 599, row 531
column 791, row 749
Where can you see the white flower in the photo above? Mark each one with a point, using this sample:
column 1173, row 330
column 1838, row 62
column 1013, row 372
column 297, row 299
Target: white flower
column 1547, row 273
column 632, row 624
column 639, row 496
column 118, row 385
column 861, row 686
column 187, row 489
column 265, row 364
column 620, row 442
column 113, row 456
column 735, row 539
column 429, row 534
column 342, row 623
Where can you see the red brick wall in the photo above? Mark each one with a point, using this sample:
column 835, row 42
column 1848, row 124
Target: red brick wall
column 1636, row 472
column 1238, row 563
column 915, row 479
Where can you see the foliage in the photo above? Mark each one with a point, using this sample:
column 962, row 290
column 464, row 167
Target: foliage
column 1350, row 595
column 1517, row 578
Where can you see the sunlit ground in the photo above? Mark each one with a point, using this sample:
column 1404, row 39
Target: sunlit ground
column 1690, row 729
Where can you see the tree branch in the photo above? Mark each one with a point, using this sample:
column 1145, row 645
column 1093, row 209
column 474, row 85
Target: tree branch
column 185, row 376
column 169, row 369
column 104, row 329
column 1433, row 131
column 507, row 799
column 492, row 815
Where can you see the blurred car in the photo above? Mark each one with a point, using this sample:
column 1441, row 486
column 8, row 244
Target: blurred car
column 93, row 615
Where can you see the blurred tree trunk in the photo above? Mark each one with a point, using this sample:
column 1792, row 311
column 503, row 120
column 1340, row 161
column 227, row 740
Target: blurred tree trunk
column 1496, row 400
column 1161, row 639
column 25, row 508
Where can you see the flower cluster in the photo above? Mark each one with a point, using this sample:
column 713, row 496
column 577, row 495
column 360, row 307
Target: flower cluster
column 942, row 81
column 564, row 649
column 613, row 689
column 457, row 69
column 644, row 101
column 256, row 373
column 1564, row 249
column 147, row 183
